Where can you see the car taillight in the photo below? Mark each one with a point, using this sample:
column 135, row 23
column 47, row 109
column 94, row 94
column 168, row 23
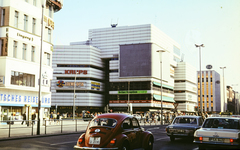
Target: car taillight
column 80, row 140
column 113, row 142
column 231, row 140
column 200, row 138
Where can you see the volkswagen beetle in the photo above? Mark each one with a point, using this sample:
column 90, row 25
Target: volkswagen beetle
column 114, row 131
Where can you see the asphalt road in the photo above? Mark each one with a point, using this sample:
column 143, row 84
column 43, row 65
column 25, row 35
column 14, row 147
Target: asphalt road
column 66, row 142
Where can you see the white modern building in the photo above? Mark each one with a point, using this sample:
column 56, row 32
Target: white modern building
column 185, row 87
column 131, row 68
column 20, row 40
column 80, row 65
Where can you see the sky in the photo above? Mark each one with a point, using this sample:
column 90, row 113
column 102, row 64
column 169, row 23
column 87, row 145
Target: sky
column 214, row 23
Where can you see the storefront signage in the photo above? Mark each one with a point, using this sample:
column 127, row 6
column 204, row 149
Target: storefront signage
column 95, row 86
column 61, row 83
column 75, row 71
column 49, row 22
column 132, row 92
column 25, row 37
column 1, row 80
column 8, row 98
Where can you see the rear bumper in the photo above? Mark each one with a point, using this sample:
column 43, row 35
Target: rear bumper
column 180, row 134
column 217, row 144
column 93, row 148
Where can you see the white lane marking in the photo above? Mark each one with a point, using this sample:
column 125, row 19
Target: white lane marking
column 64, row 143
column 161, row 139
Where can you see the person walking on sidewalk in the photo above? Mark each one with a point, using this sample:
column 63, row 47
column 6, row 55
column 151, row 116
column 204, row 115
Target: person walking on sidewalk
column 24, row 118
column 33, row 117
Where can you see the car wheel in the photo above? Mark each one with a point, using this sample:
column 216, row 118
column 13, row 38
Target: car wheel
column 200, row 147
column 149, row 144
column 172, row 138
column 125, row 146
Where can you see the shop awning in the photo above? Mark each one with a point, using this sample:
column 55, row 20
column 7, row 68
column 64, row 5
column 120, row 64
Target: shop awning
column 166, row 86
column 164, row 98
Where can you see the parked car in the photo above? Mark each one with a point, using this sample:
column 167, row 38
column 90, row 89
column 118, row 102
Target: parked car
column 219, row 132
column 115, row 131
column 184, row 127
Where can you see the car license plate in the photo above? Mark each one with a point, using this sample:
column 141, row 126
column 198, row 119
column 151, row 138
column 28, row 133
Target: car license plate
column 94, row 140
column 180, row 131
column 215, row 139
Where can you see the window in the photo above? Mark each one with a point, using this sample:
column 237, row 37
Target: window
column 25, row 22
column 35, row 2
column 126, row 124
column 24, row 52
column 22, row 79
column 16, row 19
column 49, row 35
column 15, row 49
column 135, row 123
column 46, row 59
column 33, row 25
column 3, row 17
column 33, row 54
column 50, row 11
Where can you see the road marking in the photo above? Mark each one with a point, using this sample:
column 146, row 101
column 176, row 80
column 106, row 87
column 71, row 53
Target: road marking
column 64, row 143
column 161, row 139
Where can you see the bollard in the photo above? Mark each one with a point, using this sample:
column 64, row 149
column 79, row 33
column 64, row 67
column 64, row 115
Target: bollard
column 61, row 125
column 45, row 126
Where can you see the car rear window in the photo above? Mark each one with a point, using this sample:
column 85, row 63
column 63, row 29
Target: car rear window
column 181, row 120
column 221, row 123
column 106, row 122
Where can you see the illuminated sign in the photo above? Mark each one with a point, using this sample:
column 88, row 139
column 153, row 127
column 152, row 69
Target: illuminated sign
column 132, row 92
column 75, row 71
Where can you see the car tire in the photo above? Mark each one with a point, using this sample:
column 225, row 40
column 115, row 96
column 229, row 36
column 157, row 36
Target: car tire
column 200, row 147
column 172, row 138
column 149, row 144
column 125, row 146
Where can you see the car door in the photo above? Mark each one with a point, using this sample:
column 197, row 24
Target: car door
column 137, row 142
column 129, row 132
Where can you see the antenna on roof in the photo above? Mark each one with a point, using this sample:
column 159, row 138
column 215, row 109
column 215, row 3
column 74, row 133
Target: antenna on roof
column 114, row 25
column 182, row 57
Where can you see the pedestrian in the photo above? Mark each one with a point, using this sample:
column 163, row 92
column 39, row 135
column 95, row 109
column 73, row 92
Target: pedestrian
column 24, row 118
column 51, row 117
column 33, row 117
column 58, row 117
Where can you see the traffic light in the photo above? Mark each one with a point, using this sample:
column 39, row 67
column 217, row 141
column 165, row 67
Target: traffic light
column 195, row 108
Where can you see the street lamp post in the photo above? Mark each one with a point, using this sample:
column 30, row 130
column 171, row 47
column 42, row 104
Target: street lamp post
column 224, row 108
column 200, row 72
column 40, row 71
column 74, row 96
column 160, row 57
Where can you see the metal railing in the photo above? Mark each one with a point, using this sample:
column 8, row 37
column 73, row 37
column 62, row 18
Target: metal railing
column 24, row 128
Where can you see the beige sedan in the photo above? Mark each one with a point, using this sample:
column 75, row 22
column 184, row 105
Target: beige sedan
column 218, row 132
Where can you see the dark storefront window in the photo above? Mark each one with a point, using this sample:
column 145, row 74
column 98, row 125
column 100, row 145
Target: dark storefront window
column 116, row 86
column 131, row 97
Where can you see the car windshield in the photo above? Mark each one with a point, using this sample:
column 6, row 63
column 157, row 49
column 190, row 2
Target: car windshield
column 221, row 123
column 106, row 122
column 181, row 120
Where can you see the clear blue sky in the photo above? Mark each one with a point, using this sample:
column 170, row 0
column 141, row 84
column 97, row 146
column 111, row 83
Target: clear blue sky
column 215, row 23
